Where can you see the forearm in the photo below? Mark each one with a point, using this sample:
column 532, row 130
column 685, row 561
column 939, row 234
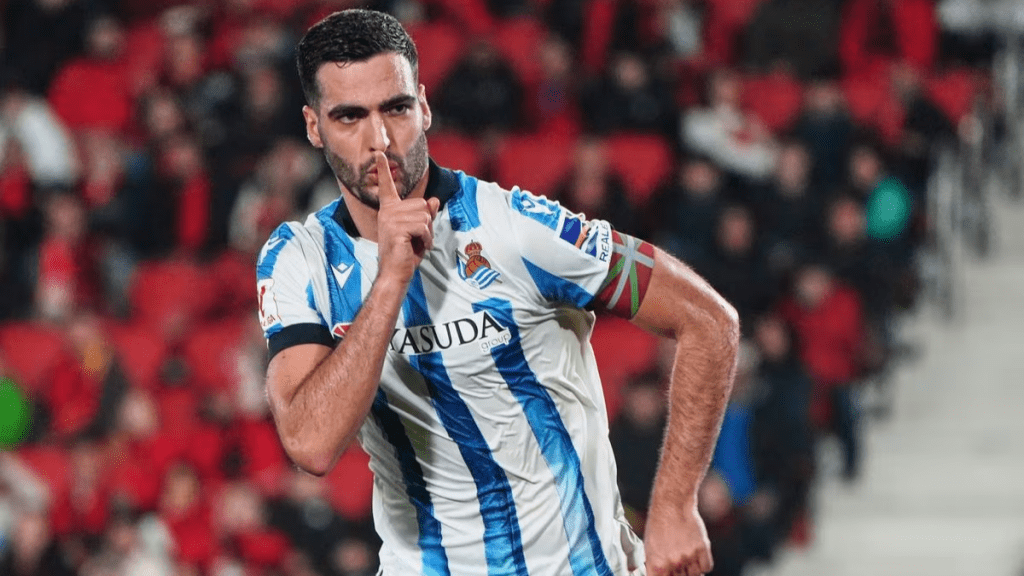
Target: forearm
column 323, row 415
column 702, row 375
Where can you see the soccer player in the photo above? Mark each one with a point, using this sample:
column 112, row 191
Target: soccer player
column 444, row 321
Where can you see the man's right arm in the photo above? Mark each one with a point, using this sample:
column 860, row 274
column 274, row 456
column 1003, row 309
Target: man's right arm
column 319, row 397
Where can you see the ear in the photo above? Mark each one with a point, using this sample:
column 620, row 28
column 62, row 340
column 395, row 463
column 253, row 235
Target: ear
column 424, row 108
column 312, row 127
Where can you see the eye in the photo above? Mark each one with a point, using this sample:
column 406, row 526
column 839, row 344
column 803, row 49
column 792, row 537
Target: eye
column 400, row 109
column 347, row 118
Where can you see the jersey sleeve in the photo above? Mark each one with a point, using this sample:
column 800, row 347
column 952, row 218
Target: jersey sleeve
column 566, row 255
column 287, row 309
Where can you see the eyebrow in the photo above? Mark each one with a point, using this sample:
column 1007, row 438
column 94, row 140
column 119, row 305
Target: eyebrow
column 343, row 109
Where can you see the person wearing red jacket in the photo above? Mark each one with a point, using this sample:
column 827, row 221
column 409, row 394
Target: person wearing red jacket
column 828, row 321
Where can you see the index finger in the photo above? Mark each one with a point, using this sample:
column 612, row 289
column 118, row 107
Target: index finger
column 386, row 191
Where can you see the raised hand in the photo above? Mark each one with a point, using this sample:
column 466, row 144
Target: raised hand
column 404, row 227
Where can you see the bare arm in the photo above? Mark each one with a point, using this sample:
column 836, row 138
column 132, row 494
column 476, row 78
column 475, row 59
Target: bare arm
column 674, row 301
column 706, row 330
column 319, row 398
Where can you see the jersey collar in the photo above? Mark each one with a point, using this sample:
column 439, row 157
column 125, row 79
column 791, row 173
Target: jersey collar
column 441, row 184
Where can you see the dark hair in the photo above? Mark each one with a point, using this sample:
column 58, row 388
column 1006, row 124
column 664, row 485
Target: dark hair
column 354, row 35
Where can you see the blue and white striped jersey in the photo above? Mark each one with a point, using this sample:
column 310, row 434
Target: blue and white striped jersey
column 488, row 438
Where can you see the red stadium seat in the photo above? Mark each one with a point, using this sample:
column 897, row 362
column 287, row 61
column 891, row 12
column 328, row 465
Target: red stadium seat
column 775, row 98
column 872, row 104
column 351, row 485
column 621, row 350
column 643, row 161
column 142, row 352
column 534, row 163
column 165, row 291
column 210, row 352
column 444, row 45
column 954, row 92
column 457, row 152
column 519, row 41
column 32, row 352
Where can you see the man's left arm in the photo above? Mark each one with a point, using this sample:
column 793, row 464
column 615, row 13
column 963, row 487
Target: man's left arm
column 664, row 296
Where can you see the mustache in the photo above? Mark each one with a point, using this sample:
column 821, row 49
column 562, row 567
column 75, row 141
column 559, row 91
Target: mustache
column 364, row 170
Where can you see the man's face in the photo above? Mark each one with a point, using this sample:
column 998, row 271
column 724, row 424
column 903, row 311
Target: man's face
column 366, row 107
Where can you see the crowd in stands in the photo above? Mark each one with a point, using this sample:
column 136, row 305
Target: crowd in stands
column 148, row 149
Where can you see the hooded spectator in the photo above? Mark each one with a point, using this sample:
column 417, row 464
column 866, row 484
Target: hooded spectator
column 592, row 189
column 482, row 94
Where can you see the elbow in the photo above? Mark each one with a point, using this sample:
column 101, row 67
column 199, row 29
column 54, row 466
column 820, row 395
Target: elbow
column 720, row 329
column 309, row 456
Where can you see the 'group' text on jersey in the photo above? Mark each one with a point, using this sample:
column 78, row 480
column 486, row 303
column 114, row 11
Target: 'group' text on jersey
column 488, row 437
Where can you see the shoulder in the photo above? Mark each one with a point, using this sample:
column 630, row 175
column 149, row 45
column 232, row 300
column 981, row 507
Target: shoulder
column 292, row 240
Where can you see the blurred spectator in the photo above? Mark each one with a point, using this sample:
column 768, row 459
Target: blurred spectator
column 592, row 189
column 33, row 551
column 315, row 528
column 107, row 103
column 628, row 97
column 481, row 94
column 734, row 461
column 89, row 385
column 175, row 211
column 684, row 214
column 33, row 56
column 789, row 208
column 827, row 130
column 67, row 272
column 680, row 24
column 553, row 105
column 800, row 34
column 888, row 204
column 185, row 509
column 925, row 126
column 715, row 504
column 28, row 123
column 737, row 267
column 240, row 520
column 131, row 545
column 273, row 194
column 636, row 437
column 782, row 439
column 876, row 33
column 828, row 320
column 737, row 141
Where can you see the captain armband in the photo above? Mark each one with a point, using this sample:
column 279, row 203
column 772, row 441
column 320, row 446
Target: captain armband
column 629, row 274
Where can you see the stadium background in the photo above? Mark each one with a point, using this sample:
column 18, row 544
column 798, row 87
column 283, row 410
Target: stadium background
column 785, row 148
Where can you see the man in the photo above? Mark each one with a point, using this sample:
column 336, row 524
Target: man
column 443, row 321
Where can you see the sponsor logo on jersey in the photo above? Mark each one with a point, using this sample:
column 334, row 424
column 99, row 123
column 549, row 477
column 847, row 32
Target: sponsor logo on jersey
column 537, row 207
column 591, row 237
column 269, row 314
column 474, row 268
column 480, row 329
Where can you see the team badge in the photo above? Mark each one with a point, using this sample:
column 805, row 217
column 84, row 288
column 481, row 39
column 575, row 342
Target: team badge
column 474, row 268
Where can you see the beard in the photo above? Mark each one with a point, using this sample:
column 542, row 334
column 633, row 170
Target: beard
column 357, row 179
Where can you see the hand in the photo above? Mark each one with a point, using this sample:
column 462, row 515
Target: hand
column 404, row 227
column 676, row 544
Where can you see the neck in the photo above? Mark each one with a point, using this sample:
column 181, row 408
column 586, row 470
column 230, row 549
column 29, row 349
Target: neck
column 365, row 217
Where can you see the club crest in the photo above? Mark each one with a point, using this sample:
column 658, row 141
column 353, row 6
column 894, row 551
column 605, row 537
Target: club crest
column 474, row 268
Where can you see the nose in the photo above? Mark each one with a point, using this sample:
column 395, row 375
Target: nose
column 379, row 139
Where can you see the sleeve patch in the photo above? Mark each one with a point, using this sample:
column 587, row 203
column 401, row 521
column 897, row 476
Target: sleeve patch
column 538, row 208
column 592, row 238
column 629, row 274
column 269, row 313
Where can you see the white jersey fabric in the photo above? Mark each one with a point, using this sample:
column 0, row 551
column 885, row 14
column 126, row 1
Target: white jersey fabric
column 488, row 437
